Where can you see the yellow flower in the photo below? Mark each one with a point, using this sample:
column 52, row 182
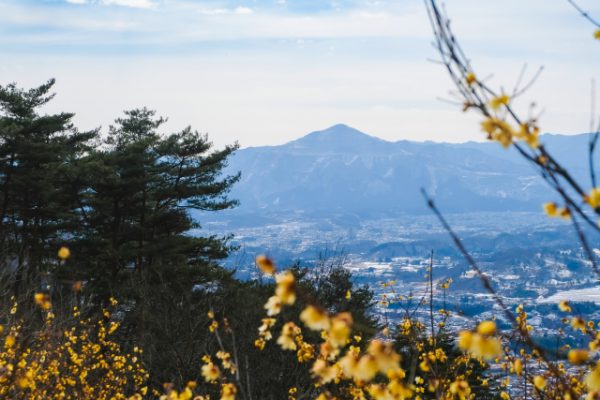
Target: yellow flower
column 551, row 209
column 260, row 343
column 285, row 287
column 530, row 134
column 470, row 78
column 43, row 301
column 593, row 198
column 265, row 264
column 564, row 306
column 578, row 356
column 366, row 369
column 517, row 366
column 460, row 388
column 597, row 34
column 486, row 328
column 349, row 362
column 539, row 382
column 339, row 332
column 578, row 323
column 465, row 340
column 487, row 348
column 348, row 295
column 210, row 372
column 315, row 318
column 564, row 213
column 498, row 130
column 499, row 101
column 273, row 306
column 64, row 253
column 9, row 341
column 592, row 379
column 324, row 371
column 386, row 357
column 286, row 339
column 228, row 391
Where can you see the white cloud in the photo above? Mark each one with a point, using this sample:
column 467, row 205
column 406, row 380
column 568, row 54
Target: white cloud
column 129, row 3
column 77, row 1
column 242, row 10
column 220, row 11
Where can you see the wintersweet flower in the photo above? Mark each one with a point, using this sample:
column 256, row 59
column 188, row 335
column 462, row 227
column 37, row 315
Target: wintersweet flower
column 339, row 332
column 551, row 209
column 366, row 369
column 265, row 264
column 64, row 253
column 498, row 130
column 564, row 306
column 460, row 388
column 386, row 357
column 210, row 372
column 499, row 101
column 470, row 78
column 593, row 198
column 592, row 379
column 539, row 382
column 285, row 287
column 228, row 391
column 315, row 318
column 273, row 306
column 578, row 356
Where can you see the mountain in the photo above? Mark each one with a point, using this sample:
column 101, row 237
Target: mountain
column 342, row 171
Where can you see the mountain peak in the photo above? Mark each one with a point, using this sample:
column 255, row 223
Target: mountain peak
column 339, row 138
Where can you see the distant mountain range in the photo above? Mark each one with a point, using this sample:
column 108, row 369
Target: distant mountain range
column 341, row 170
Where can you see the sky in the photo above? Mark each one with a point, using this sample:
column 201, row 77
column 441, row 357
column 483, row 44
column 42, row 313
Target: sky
column 263, row 72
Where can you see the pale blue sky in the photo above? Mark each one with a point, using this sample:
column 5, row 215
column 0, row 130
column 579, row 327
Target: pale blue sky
column 268, row 71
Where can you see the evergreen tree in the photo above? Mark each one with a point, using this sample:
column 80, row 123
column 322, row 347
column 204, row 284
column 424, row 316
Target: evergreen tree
column 38, row 198
column 137, row 244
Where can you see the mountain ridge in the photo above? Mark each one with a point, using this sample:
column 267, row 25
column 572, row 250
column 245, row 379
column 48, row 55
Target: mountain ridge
column 343, row 171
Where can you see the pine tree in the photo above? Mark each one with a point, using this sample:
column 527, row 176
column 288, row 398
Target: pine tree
column 137, row 244
column 38, row 200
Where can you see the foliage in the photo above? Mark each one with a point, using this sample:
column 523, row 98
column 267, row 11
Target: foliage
column 67, row 359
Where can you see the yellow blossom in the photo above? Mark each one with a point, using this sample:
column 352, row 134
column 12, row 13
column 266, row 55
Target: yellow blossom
column 499, row 101
column 273, row 305
column 551, row 209
column 460, row 388
column 564, row 306
column 470, row 78
column 285, row 287
column 592, row 379
column 578, row 323
column 578, row 356
column 517, row 366
column 210, row 372
column 340, row 328
column 43, row 301
column 64, row 253
column 539, row 382
column 593, row 198
column 597, row 34
column 265, row 264
column 228, row 391
column 315, row 318
column 366, row 368
column 498, row 130
column 486, row 328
